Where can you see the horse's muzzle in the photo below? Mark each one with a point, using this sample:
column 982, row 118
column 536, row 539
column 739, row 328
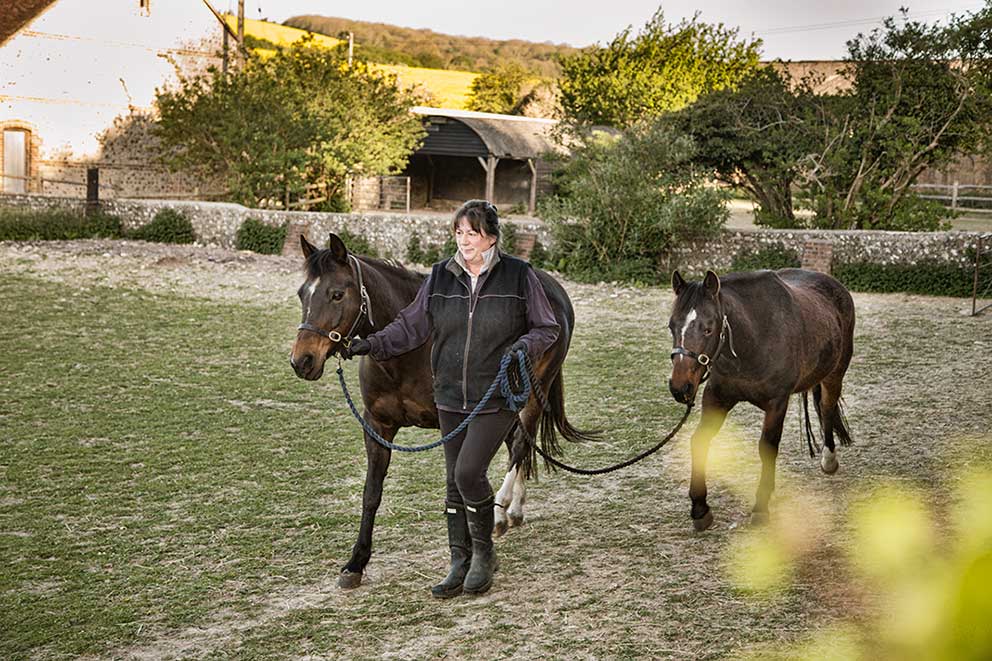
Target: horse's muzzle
column 684, row 394
column 305, row 367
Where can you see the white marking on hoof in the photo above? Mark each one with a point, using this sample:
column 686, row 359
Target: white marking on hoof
column 516, row 510
column 503, row 497
column 828, row 461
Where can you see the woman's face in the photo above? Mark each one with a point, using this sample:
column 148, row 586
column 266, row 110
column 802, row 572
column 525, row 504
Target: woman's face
column 472, row 243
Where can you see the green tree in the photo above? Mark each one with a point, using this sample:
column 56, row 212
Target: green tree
column 289, row 126
column 755, row 137
column 662, row 68
column 624, row 200
column 921, row 95
column 500, row 90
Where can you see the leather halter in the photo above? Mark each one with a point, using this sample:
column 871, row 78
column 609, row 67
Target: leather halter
column 726, row 333
column 365, row 310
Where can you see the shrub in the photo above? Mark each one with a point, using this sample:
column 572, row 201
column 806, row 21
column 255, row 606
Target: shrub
column 624, row 201
column 773, row 257
column 428, row 255
column 56, row 225
column 357, row 244
column 256, row 236
column 539, row 256
column 168, row 226
column 930, row 278
column 508, row 238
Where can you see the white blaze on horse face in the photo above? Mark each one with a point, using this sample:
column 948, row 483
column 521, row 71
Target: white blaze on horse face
column 311, row 289
column 689, row 318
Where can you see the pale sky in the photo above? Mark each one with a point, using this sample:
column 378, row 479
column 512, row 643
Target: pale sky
column 790, row 29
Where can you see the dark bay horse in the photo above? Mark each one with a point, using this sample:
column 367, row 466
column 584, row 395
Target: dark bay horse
column 398, row 393
column 760, row 337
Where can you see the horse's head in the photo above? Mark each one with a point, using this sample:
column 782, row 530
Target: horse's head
column 332, row 302
column 695, row 324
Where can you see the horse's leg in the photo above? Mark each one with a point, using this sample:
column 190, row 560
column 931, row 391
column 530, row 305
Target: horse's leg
column 829, row 397
column 530, row 418
column 378, row 462
column 513, row 493
column 771, row 435
column 503, row 498
column 714, row 413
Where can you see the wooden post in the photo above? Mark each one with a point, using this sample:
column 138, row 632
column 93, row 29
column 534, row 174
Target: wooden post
column 408, row 194
column 532, row 203
column 430, row 180
column 489, row 165
column 241, row 31
column 92, row 190
column 954, row 196
column 225, row 50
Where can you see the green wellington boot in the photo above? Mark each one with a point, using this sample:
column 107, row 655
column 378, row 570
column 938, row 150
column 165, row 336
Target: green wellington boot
column 461, row 552
column 480, row 527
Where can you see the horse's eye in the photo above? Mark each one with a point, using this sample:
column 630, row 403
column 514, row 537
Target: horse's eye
column 708, row 332
column 337, row 296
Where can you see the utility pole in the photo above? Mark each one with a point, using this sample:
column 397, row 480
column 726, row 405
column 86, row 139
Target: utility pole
column 241, row 31
column 350, row 36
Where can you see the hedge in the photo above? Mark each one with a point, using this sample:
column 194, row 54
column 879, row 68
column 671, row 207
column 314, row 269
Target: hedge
column 256, row 236
column 930, row 278
column 56, row 225
column 775, row 256
column 168, row 226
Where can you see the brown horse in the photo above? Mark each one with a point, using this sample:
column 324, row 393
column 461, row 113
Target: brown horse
column 398, row 393
column 760, row 337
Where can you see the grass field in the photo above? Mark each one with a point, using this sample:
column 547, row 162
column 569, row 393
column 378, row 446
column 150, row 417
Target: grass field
column 168, row 487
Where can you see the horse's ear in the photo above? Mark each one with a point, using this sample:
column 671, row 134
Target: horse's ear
column 677, row 282
column 712, row 283
column 307, row 247
column 336, row 246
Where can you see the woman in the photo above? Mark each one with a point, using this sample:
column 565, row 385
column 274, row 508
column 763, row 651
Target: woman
column 475, row 306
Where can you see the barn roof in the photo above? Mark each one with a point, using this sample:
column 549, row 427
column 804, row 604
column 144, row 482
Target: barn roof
column 502, row 136
column 18, row 13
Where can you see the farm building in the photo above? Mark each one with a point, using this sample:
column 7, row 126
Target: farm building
column 501, row 158
column 77, row 84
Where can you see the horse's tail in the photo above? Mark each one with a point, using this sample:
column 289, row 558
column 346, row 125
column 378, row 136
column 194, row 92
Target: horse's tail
column 553, row 423
column 838, row 421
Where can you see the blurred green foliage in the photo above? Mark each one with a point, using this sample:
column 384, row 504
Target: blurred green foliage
column 53, row 225
column 168, row 226
column 927, row 584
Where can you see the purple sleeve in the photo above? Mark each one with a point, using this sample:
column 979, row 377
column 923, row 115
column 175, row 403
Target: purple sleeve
column 543, row 328
column 409, row 330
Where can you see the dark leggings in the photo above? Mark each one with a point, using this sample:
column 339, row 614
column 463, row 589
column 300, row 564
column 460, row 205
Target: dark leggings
column 467, row 456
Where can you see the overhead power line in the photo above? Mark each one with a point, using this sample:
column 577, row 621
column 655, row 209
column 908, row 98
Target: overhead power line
column 857, row 22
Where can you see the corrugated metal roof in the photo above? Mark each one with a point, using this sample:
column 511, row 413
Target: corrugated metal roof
column 503, row 136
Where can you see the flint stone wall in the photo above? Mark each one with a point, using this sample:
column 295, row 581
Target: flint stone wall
column 217, row 223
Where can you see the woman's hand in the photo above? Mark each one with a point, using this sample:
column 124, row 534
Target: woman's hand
column 519, row 345
column 357, row 347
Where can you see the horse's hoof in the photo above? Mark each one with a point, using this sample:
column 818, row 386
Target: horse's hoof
column 349, row 580
column 759, row 519
column 703, row 522
column 499, row 529
column 828, row 462
column 516, row 520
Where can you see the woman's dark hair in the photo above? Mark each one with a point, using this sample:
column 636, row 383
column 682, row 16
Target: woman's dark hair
column 481, row 215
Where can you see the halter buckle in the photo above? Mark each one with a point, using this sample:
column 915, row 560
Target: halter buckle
column 703, row 359
column 334, row 336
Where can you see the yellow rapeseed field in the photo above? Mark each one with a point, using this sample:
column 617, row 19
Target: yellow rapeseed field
column 448, row 89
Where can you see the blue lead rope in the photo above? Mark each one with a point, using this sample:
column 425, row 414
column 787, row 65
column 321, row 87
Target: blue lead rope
column 515, row 401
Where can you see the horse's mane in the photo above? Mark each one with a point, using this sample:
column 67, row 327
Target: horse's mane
column 323, row 261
